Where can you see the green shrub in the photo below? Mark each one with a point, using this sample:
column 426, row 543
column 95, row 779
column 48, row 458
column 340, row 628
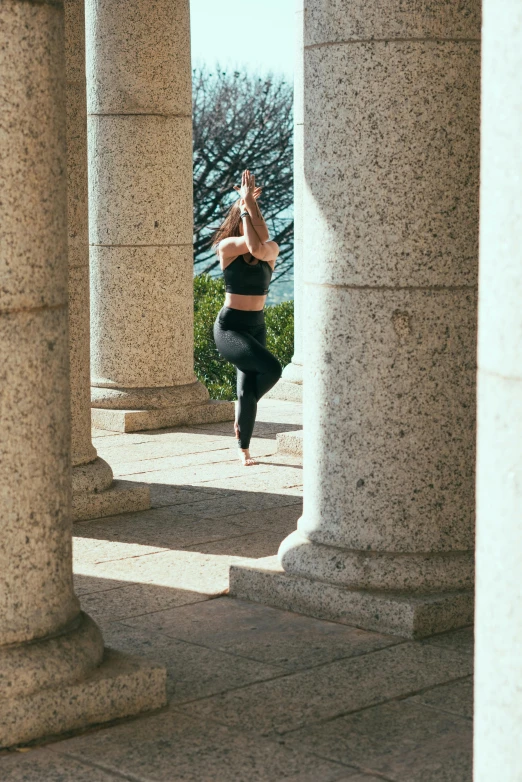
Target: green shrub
column 219, row 375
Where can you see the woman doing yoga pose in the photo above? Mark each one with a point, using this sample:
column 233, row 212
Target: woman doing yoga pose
column 247, row 258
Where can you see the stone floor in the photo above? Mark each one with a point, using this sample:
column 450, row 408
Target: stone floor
column 255, row 694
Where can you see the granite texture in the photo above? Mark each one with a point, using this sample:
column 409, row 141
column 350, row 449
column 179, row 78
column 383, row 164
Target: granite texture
column 307, row 697
column 50, row 653
column 72, row 653
column 392, row 172
column 35, row 545
column 375, row 570
column 328, row 21
column 174, row 743
column 90, row 475
column 131, row 600
column 461, row 640
column 453, row 698
column 94, row 477
column 146, row 204
column 43, row 765
column 121, row 398
column 33, row 226
column 289, row 390
column 120, row 687
column 140, row 214
column 261, row 633
column 119, row 497
column 141, row 420
column 389, row 449
column 407, row 615
column 82, row 450
column 139, row 61
column 402, row 741
column 193, row 672
column 290, row 442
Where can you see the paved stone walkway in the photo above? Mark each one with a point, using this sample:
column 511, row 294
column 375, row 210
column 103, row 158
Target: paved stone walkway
column 255, row 694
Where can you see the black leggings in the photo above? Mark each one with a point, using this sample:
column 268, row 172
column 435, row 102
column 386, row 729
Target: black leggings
column 240, row 338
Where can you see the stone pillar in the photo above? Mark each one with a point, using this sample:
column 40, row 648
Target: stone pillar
column 391, row 222
column 140, row 217
column 94, row 491
column 498, row 631
column 54, row 675
column 290, row 387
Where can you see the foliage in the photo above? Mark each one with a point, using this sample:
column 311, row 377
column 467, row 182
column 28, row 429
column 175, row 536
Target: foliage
column 217, row 374
column 241, row 121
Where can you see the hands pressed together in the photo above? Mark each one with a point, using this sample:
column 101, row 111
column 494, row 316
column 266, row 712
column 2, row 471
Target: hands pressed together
column 248, row 192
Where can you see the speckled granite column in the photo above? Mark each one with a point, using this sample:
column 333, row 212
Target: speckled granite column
column 290, row 387
column 391, row 223
column 498, row 621
column 140, row 200
column 53, row 676
column 95, row 493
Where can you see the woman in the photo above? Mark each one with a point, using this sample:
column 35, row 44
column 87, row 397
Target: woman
column 247, row 258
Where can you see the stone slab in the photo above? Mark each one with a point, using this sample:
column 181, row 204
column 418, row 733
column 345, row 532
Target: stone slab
column 153, row 449
column 41, row 765
column 122, row 497
column 122, row 686
column 161, row 529
column 402, row 741
column 192, row 671
column 290, row 442
column 140, row 420
column 454, row 698
column 408, row 617
column 172, row 746
column 308, row 697
column 248, row 547
column 461, row 640
column 279, row 411
column 162, row 496
column 286, row 391
column 134, row 600
column 261, row 633
column 190, row 571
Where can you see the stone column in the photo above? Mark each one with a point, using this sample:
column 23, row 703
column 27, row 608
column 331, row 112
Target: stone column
column 54, row 675
column 498, row 631
column 141, row 223
column 391, row 221
column 94, row 491
column 290, row 387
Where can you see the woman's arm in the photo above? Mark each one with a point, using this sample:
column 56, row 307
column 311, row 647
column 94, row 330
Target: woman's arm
column 249, row 194
column 257, row 219
column 253, row 242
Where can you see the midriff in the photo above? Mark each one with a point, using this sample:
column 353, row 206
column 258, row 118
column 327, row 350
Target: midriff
column 238, row 301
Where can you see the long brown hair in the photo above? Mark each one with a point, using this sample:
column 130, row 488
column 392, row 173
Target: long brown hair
column 230, row 225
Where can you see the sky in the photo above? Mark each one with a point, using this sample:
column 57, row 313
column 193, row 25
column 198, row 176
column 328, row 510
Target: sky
column 255, row 35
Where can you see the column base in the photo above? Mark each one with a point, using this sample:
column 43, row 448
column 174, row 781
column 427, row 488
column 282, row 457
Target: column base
column 122, row 686
column 408, row 616
column 290, row 387
column 96, row 494
column 120, row 497
column 290, row 442
column 211, row 412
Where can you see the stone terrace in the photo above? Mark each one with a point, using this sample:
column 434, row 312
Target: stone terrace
column 255, row 693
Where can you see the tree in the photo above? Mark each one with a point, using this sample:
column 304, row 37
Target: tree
column 242, row 121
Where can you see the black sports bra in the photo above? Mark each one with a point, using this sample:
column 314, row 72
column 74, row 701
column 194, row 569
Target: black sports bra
column 249, row 279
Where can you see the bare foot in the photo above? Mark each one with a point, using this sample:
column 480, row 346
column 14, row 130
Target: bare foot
column 246, row 459
column 236, row 429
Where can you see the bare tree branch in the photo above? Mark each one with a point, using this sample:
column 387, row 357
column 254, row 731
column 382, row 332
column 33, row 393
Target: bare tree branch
column 242, row 121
